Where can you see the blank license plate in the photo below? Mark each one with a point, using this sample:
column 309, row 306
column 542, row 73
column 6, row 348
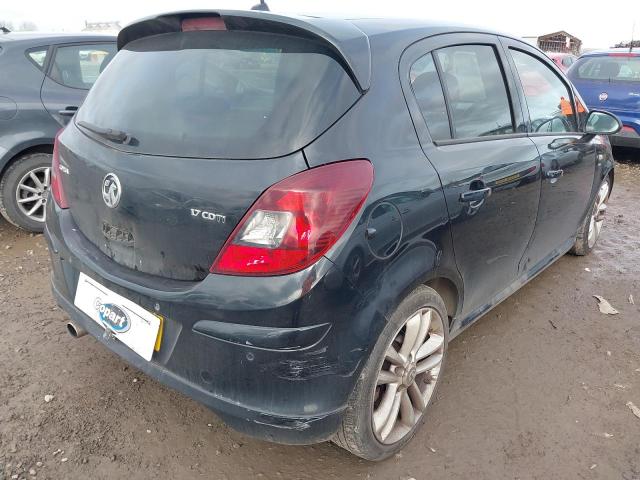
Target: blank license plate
column 128, row 322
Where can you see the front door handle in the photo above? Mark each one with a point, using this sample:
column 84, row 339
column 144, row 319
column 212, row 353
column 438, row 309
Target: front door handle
column 475, row 195
column 555, row 173
column 68, row 112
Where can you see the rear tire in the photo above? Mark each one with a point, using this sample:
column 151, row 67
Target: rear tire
column 366, row 431
column 17, row 183
column 589, row 231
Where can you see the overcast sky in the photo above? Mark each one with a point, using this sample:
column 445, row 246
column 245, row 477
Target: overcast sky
column 598, row 24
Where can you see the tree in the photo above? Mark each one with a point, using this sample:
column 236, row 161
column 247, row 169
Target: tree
column 27, row 27
column 6, row 24
column 634, row 44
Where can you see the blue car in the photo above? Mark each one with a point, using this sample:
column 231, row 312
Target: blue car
column 610, row 81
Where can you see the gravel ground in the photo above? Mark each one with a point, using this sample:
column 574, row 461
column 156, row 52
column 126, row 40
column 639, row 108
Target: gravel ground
column 537, row 389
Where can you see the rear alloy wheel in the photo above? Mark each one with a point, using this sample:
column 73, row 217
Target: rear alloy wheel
column 399, row 379
column 408, row 376
column 589, row 231
column 24, row 190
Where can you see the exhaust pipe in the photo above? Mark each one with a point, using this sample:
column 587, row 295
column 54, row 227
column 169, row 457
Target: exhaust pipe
column 75, row 330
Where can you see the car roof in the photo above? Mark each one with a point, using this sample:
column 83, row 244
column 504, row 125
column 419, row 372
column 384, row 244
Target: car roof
column 626, row 51
column 409, row 27
column 43, row 38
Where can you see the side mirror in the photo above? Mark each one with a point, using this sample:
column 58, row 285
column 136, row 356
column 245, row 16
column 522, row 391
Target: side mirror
column 602, row 123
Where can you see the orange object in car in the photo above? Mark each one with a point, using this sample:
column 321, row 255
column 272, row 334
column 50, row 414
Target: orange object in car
column 565, row 106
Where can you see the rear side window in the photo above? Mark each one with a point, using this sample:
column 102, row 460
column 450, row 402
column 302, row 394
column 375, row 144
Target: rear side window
column 608, row 68
column 78, row 66
column 428, row 92
column 475, row 88
column 38, row 56
column 548, row 97
column 220, row 94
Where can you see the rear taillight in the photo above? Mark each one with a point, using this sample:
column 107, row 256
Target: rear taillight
column 296, row 221
column 57, row 192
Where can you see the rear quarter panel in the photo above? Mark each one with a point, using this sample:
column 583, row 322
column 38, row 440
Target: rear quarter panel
column 412, row 245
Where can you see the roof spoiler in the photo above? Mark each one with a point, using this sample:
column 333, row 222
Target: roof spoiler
column 343, row 37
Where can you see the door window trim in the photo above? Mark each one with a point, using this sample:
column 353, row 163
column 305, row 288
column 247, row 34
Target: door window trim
column 437, row 42
column 52, row 54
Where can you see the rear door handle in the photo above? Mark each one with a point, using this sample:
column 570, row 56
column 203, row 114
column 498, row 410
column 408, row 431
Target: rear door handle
column 475, row 195
column 68, row 112
column 555, row 173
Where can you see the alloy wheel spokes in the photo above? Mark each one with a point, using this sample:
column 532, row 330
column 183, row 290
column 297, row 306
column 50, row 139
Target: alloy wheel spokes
column 32, row 198
column 32, row 192
column 407, row 409
column 392, row 416
column 597, row 216
column 37, row 204
column 387, row 376
column 417, row 398
column 433, row 344
column 408, row 375
column 429, row 363
column 382, row 413
column 412, row 331
column 28, row 188
column 393, row 357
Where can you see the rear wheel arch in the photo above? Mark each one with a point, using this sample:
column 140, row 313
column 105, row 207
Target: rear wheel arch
column 25, row 151
column 446, row 284
column 449, row 292
column 611, row 175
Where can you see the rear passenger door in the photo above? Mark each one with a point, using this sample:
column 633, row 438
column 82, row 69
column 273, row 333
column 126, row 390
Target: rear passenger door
column 568, row 156
column 468, row 117
column 71, row 72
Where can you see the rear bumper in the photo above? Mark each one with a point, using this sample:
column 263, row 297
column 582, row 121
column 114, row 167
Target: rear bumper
column 276, row 358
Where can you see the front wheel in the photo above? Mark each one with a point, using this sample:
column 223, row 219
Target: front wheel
column 399, row 379
column 590, row 229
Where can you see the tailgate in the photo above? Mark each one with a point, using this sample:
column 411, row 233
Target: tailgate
column 173, row 214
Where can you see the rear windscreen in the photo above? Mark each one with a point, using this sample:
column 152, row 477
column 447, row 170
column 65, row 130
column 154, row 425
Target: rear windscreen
column 220, row 94
column 608, row 68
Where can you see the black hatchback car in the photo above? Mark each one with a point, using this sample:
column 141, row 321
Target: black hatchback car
column 43, row 80
column 289, row 218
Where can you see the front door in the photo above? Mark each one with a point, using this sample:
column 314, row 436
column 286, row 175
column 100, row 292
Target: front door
column 72, row 71
column 470, row 122
column 568, row 157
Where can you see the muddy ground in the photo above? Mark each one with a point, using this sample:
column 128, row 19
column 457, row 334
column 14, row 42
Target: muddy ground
column 536, row 389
